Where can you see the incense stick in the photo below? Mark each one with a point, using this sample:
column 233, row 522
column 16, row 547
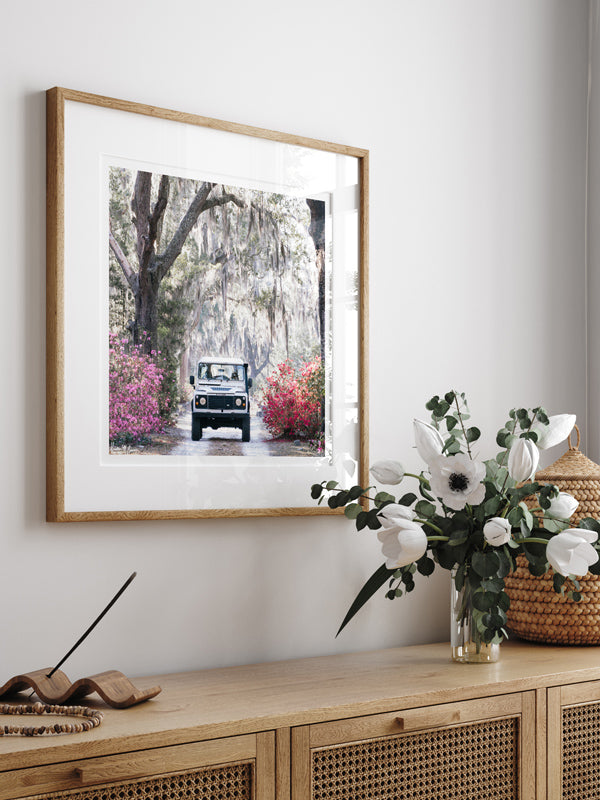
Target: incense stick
column 93, row 625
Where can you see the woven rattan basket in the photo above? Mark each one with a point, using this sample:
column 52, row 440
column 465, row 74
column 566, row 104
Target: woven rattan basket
column 536, row 612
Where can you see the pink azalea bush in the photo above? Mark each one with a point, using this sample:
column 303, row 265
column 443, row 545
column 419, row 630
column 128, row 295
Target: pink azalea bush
column 138, row 404
column 292, row 401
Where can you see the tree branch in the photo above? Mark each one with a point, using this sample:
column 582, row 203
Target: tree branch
column 222, row 200
column 159, row 209
column 128, row 271
column 140, row 205
column 165, row 261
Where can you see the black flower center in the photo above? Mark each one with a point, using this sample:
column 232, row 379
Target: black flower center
column 458, row 482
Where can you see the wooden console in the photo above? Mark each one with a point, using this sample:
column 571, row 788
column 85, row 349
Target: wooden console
column 398, row 724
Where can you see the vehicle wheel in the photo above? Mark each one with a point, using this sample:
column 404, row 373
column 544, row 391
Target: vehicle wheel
column 246, row 430
column 196, row 429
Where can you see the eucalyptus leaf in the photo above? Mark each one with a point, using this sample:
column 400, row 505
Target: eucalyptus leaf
column 373, row 520
column 355, row 492
column 353, row 510
column 515, row 515
column 459, row 577
column 483, row 601
column 554, row 525
column 426, row 565
column 485, row 564
column 492, row 506
column 457, row 538
column 590, row 524
column 502, row 436
column 383, row 497
column 537, row 569
column 473, row 434
column 495, row 585
column 503, row 601
column 407, row 499
column 425, row 509
column 375, row 582
column 361, row 520
column 505, row 567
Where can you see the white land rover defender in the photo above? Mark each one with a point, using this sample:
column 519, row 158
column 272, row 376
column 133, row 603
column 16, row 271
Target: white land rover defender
column 221, row 399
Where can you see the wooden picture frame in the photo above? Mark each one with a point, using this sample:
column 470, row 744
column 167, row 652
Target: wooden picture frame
column 87, row 137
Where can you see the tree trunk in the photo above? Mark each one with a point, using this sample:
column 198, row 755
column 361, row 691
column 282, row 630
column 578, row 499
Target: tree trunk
column 152, row 266
column 317, row 232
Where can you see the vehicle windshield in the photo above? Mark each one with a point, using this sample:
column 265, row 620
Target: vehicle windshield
column 221, row 372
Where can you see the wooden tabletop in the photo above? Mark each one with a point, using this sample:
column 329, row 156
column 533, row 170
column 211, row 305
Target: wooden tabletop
column 234, row 700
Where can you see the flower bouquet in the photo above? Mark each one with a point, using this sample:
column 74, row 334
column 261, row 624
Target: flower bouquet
column 472, row 517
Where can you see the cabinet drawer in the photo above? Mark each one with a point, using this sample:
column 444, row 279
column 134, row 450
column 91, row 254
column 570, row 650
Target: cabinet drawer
column 574, row 742
column 239, row 767
column 485, row 747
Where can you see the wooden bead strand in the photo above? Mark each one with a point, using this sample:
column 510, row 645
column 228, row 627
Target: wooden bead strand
column 90, row 719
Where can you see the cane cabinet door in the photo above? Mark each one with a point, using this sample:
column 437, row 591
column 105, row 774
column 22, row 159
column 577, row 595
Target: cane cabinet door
column 235, row 768
column 482, row 749
column 574, row 742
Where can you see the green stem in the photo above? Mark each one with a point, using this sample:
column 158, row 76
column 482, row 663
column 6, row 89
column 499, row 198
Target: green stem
column 438, row 538
column 418, row 477
column 462, row 424
column 532, row 539
column 432, row 526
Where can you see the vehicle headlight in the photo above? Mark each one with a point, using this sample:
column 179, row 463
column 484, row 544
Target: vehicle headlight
column 238, row 401
column 200, row 401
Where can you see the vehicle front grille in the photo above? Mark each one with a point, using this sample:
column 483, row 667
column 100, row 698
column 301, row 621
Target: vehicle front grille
column 221, row 402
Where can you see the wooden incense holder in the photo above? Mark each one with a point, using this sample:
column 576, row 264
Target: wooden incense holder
column 113, row 687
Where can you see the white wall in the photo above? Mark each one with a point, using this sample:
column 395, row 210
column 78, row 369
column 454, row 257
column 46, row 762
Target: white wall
column 475, row 116
column 593, row 233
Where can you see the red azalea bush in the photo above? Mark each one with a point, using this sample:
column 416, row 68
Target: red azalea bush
column 138, row 404
column 292, row 401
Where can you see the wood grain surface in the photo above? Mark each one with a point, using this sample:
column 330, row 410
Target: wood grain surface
column 230, row 701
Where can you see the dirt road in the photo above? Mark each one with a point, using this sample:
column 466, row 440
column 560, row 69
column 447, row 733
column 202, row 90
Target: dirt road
column 177, row 441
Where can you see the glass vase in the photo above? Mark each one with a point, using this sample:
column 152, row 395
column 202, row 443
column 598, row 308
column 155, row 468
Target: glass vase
column 465, row 639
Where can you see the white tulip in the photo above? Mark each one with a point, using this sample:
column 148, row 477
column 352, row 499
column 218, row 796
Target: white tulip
column 394, row 511
column 563, row 506
column 558, row 428
column 456, row 480
column 402, row 544
column 571, row 552
column 388, row 472
column 523, row 459
column 428, row 440
column 497, row 531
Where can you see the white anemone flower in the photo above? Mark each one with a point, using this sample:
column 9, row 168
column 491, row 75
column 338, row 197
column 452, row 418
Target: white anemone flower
column 523, row 459
column 403, row 543
column 428, row 441
column 456, row 480
column 571, row 552
column 390, row 514
column 563, row 506
column 387, row 472
column 497, row 531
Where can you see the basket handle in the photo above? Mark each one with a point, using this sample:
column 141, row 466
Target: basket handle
column 578, row 439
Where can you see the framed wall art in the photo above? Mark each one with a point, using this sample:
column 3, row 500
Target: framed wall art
column 207, row 314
